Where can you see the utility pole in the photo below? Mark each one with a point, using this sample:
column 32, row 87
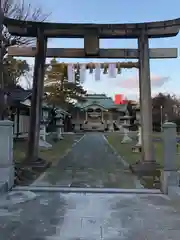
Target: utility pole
column 161, row 117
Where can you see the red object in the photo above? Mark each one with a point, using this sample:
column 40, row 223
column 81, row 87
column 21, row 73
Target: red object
column 119, row 99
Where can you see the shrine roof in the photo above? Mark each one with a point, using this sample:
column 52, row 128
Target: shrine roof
column 19, row 95
column 101, row 100
column 154, row 29
column 46, row 105
column 15, row 95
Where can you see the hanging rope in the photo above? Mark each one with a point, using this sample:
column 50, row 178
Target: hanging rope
column 111, row 68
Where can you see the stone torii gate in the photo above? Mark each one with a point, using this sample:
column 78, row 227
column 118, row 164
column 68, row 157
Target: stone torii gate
column 91, row 34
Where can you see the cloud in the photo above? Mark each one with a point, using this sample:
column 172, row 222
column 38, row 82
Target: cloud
column 133, row 82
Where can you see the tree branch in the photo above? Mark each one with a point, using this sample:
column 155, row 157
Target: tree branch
column 20, row 10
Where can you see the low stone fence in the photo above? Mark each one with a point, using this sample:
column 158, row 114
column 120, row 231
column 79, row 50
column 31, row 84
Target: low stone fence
column 6, row 156
column 170, row 174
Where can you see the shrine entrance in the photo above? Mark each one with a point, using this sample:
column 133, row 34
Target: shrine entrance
column 94, row 118
column 90, row 192
column 92, row 33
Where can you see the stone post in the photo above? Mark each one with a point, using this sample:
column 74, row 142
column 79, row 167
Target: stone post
column 111, row 128
column 6, row 158
column 145, row 97
column 169, row 177
column 139, row 143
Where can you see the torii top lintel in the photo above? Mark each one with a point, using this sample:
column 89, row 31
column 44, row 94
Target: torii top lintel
column 158, row 29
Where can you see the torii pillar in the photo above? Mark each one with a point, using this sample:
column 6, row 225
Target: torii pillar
column 37, row 95
column 148, row 162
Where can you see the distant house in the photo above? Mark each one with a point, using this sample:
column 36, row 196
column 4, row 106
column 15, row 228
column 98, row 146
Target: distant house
column 17, row 104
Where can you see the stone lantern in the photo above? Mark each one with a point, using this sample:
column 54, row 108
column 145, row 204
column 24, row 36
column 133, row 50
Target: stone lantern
column 138, row 146
column 44, row 122
column 126, row 125
column 59, row 124
column 43, row 125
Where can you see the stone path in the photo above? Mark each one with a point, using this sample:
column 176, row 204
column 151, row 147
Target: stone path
column 53, row 215
column 73, row 216
column 91, row 163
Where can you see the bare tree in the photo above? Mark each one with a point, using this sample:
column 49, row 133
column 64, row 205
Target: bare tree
column 165, row 107
column 21, row 10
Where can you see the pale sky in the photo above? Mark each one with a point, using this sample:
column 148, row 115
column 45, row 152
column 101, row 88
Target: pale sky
column 164, row 73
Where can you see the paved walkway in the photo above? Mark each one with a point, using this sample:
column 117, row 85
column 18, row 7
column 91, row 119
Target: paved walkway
column 56, row 216
column 91, row 163
column 52, row 215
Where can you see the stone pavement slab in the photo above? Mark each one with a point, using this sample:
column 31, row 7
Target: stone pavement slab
column 91, row 163
column 75, row 216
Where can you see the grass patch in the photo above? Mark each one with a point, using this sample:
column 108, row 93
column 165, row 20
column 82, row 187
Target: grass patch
column 58, row 148
column 26, row 174
column 50, row 155
column 125, row 150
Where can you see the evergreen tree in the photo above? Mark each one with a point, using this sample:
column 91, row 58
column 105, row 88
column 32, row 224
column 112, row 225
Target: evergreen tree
column 59, row 90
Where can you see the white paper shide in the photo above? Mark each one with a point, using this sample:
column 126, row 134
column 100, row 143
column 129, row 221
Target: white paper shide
column 70, row 73
column 97, row 72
